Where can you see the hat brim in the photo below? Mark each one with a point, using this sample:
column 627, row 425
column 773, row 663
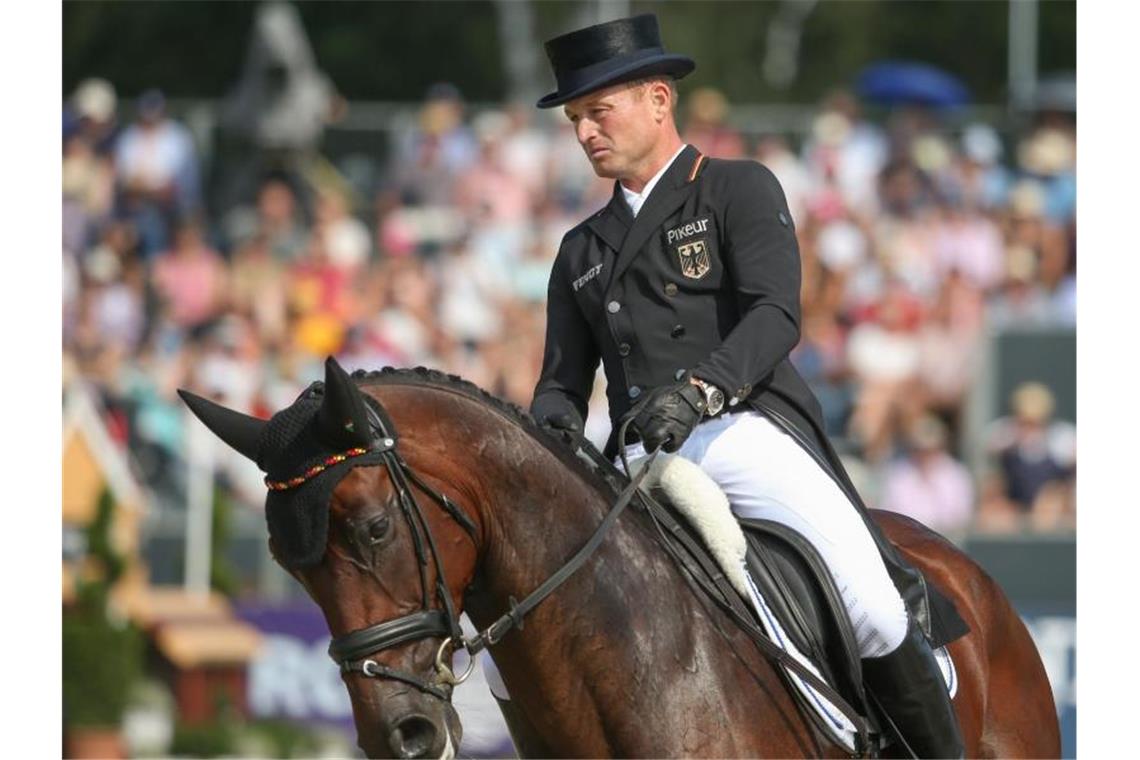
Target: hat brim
column 676, row 66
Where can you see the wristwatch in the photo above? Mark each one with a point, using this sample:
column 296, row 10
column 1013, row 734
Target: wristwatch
column 714, row 397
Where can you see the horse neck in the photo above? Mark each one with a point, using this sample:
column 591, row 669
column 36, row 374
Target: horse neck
column 537, row 512
column 593, row 630
column 621, row 659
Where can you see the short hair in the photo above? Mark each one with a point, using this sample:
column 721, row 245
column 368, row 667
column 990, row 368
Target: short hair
column 669, row 81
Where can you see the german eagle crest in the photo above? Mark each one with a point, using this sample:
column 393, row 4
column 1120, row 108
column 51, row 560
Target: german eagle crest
column 695, row 260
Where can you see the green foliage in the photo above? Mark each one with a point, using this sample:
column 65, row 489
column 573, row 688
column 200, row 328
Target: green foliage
column 395, row 50
column 209, row 740
column 223, row 575
column 101, row 662
column 286, row 739
column 101, row 658
column 375, row 51
column 227, row 737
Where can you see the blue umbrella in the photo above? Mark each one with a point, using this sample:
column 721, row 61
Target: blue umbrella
column 896, row 82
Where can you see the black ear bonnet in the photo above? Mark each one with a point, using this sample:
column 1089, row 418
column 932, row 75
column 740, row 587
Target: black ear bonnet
column 292, row 444
column 305, row 450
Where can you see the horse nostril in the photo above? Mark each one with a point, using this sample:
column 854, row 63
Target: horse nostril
column 412, row 737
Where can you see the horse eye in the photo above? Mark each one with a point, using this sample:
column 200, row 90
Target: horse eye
column 378, row 529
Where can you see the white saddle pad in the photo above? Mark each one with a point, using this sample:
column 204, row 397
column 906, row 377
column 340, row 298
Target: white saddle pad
column 704, row 505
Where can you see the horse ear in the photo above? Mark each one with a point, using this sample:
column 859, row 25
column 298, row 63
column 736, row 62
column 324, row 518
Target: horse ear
column 342, row 418
column 240, row 431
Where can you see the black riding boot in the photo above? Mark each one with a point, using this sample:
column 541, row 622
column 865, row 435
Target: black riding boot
column 909, row 686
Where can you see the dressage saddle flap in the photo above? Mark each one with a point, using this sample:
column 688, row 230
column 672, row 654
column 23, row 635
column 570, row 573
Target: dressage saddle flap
column 794, row 581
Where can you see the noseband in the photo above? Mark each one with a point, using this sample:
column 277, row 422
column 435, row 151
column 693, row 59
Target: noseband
column 352, row 651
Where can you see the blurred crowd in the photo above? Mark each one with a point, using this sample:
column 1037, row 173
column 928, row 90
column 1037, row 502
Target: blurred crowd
column 915, row 238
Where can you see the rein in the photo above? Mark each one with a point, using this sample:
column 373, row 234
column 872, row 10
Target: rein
column 351, row 651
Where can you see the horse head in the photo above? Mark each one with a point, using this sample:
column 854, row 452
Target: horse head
column 362, row 534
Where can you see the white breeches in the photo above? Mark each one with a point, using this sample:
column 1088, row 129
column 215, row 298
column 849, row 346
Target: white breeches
column 766, row 475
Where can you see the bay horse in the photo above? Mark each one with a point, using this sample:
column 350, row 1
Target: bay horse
column 623, row 658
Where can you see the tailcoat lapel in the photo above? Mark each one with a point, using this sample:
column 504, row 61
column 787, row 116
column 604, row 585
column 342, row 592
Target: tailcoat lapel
column 612, row 223
column 673, row 189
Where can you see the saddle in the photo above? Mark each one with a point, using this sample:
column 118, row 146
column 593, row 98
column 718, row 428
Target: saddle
column 792, row 581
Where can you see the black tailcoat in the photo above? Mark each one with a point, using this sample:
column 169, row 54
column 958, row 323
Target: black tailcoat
column 705, row 279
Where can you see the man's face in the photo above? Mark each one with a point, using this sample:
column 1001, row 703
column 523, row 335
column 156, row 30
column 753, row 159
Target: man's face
column 615, row 127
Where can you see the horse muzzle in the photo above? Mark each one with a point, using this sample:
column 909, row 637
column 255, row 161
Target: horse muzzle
column 418, row 727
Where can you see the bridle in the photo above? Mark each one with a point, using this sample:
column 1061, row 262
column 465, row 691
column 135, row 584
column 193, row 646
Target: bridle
column 353, row 651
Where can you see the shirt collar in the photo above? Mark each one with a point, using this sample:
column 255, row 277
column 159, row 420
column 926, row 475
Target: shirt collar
column 636, row 200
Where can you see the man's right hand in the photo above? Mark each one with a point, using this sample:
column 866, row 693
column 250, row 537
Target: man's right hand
column 560, row 420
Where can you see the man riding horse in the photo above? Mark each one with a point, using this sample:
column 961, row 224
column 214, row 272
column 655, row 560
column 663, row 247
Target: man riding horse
column 686, row 287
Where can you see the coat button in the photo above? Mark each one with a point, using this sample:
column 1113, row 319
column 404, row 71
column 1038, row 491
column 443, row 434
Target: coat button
column 670, row 288
column 677, row 331
column 613, row 307
column 782, row 217
column 634, row 391
column 623, row 349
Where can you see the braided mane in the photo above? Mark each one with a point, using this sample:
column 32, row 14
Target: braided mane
column 431, row 378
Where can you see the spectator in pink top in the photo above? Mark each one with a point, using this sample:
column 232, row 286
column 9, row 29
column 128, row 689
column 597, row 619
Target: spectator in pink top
column 190, row 278
column 929, row 485
column 489, row 192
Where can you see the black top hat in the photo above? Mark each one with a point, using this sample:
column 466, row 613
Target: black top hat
column 606, row 54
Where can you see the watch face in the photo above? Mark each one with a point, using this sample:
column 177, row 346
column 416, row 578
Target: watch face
column 714, row 397
column 715, row 401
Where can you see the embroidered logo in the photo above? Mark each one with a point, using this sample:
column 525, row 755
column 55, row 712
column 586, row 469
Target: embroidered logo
column 687, row 230
column 695, row 259
column 590, row 274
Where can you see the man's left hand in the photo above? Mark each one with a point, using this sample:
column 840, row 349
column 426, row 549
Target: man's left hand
column 669, row 415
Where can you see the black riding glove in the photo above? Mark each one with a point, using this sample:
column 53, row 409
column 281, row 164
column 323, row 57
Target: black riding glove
column 558, row 418
column 669, row 415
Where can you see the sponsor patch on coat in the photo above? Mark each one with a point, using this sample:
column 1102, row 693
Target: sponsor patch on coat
column 590, row 274
column 695, row 259
column 687, row 230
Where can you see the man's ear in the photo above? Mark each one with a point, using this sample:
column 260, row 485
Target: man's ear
column 659, row 92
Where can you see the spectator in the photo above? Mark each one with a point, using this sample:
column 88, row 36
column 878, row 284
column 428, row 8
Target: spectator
column 1050, row 155
column 820, row 358
column 276, row 219
column 488, row 192
column 1021, row 301
column 428, row 159
column 257, row 289
column 190, row 279
column 883, row 353
column 344, row 236
column 91, row 115
column 949, row 347
column 981, row 180
column 966, row 241
column 706, row 128
column 157, row 166
column 524, row 149
column 928, row 484
column 774, row 152
column 1036, row 456
column 848, row 149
